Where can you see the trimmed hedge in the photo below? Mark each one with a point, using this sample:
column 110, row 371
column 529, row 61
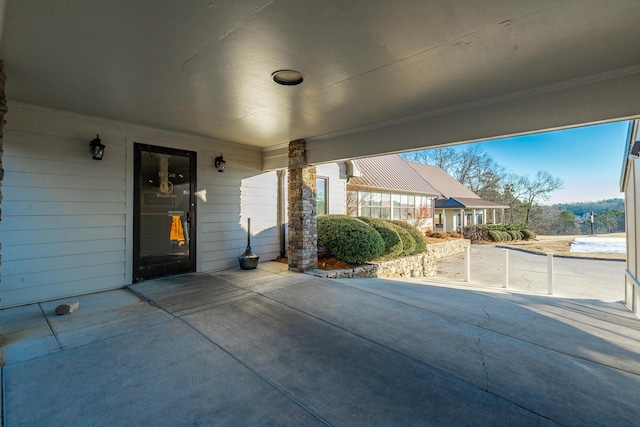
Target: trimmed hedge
column 515, row 234
column 416, row 235
column 408, row 243
column 349, row 239
column 392, row 242
column 497, row 234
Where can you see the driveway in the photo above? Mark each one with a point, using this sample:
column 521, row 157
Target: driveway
column 272, row 347
column 573, row 277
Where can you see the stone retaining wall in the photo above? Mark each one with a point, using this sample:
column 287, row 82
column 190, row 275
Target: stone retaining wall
column 447, row 248
column 423, row 265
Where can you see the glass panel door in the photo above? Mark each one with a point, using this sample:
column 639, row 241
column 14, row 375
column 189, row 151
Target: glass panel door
column 164, row 211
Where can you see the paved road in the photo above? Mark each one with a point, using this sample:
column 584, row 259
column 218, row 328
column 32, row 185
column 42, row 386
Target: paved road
column 573, row 277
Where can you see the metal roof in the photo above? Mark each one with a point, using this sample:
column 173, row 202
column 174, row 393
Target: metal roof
column 444, row 183
column 390, row 173
column 473, row 203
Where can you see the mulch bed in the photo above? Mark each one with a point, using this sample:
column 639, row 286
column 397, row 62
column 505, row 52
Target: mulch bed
column 325, row 263
column 329, row 263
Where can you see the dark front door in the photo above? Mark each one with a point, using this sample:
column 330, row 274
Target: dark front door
column 164, row 209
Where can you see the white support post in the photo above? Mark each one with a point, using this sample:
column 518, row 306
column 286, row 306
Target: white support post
column 505, row 284
column 550, row 272
column 467, row 264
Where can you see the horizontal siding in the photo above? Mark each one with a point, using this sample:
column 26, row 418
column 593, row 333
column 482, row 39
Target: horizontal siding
column 65, row 289
column 337, row 187
column 64, row 215
column 43, row 222
column 51, row 250
column 66, row 226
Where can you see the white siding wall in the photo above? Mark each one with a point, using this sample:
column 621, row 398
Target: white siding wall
column 337, row 187
column 259, row 201
column 67, row 219
column 632, row 215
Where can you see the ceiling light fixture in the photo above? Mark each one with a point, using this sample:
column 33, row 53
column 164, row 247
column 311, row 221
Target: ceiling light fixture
column 287, row 77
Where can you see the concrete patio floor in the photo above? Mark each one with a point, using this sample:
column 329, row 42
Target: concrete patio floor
column 272, row 347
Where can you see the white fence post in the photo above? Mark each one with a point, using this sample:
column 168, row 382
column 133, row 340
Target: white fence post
column 550, row 272
column 467, row 264
column 506, row 268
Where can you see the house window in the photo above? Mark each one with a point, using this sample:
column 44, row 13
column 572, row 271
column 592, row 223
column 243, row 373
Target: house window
column 407, row 206
column 322, row 188
column 395, row 203
column 479, row 218
column 385, row 206
column 353, row 203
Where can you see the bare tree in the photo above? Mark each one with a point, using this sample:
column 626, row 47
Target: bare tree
column 355, row 199
column 538, row 189
column 477, row 170
column 444, row 157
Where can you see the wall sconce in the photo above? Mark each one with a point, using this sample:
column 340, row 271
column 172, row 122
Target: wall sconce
column 97, row 148
column 220, row 163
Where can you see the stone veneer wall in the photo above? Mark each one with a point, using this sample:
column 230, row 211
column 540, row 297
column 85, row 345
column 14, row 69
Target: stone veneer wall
column 423, row 265
column 447, row 248
column 303, row 227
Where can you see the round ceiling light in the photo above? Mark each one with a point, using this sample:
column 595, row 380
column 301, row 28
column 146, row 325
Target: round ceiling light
column 287, row 77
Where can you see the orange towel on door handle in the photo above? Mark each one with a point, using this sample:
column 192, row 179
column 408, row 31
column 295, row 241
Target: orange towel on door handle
column 177, row 232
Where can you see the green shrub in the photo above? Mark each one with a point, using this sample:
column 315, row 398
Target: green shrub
column 392, row 241
column 349, row 239
column 498, row 232
column 408, row 242
column 515, row 234
column 416, row 235
column 495, row 235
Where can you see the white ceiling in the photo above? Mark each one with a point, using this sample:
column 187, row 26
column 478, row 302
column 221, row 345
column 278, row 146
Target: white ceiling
column 204, row 67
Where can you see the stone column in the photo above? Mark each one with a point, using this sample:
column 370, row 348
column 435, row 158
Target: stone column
column 303, row 226
column 3, row 110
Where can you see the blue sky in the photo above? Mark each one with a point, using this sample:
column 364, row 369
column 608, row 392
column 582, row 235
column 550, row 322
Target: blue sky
column 588, row 159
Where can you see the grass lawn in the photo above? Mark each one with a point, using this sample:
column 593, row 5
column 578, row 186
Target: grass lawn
column 560, row 245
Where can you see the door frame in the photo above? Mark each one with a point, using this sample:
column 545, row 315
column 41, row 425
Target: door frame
column 175, row 268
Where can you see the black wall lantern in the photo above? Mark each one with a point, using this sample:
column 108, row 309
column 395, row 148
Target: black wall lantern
column 219, row 163
column 97, row 148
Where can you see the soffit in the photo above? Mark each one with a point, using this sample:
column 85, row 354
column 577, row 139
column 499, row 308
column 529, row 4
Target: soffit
column 203, row 67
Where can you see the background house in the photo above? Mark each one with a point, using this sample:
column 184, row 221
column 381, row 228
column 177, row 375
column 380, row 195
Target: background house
column 457, row 206
column 389, row 188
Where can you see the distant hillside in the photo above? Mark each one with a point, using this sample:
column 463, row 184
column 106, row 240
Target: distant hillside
column 581, row 208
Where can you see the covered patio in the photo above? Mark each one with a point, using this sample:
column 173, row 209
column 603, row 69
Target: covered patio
column 273, row 347
column 263, row 85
